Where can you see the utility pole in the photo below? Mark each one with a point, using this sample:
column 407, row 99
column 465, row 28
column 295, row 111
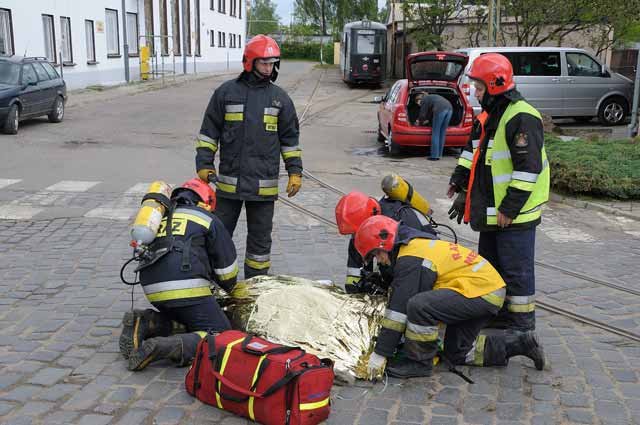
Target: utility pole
column 185, row 36
column 633, row 127
column 127, row 77
column 404, row 40
column 324, row 30
column 494, row 22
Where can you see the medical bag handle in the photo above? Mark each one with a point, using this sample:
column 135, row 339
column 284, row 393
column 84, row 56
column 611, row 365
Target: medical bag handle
column 277, row 350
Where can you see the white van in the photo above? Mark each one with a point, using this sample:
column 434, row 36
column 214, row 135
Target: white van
column 562, row 82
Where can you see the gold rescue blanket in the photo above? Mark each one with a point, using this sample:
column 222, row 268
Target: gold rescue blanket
column 314, row 316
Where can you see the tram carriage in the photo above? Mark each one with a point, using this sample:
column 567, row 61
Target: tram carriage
column 363, row 52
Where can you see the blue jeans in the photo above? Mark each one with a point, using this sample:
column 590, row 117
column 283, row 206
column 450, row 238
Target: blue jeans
column 438, row 132
column 512, row 253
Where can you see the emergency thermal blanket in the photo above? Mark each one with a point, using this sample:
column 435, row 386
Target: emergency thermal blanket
column 314, row 316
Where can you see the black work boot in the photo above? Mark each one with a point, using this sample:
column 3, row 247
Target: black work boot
column 154, row 349
column 406, row 368
column 137, row 325
column 525, row 344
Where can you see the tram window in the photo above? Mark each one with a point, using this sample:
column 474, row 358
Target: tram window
column 366, row 42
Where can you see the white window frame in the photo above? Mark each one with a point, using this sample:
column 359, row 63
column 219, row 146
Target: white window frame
column 90, row 40
column 109, row 32
column 49, row 33
column 66, row 42
column 6, row 32
column 132, row 33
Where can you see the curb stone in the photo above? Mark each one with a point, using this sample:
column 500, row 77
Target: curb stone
column 578, row 203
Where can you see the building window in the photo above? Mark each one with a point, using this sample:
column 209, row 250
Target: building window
column 222, row 42
column 6, row 33
column 113, row 34
column 65, row 40
column 232, row 7
column 132, row 33
column 90, row 40
column 239, row 42
column 164, row 27
column 239, row 9
column 175, row 26
column 48, row 30
column 196, row 20
column 222, row 6
column 211, row 4
column 212, row 38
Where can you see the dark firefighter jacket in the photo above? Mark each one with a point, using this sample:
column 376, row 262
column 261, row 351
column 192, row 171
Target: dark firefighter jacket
column 202, row 252
column 525, row 138
column 421, row 265
column 399, row 211
column 253, row 123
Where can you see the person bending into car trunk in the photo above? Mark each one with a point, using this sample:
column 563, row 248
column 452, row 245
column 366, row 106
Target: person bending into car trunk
column 502, row 181
column 437, row 111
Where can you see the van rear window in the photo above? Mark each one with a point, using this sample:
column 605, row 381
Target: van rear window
column 534, row 63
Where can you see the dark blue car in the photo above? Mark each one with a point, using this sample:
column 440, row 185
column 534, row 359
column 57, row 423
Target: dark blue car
column 29, row 87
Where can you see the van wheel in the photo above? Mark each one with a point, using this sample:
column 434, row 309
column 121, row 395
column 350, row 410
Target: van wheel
column 393, row 147
column 613, row 111
column 12, row 121
column 57, row 113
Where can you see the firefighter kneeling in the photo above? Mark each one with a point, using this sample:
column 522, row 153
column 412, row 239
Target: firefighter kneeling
column 191, row 249
column 437, row 281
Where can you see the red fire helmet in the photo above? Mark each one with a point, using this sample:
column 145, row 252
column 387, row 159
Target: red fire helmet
column 495, row 71
column 260, row 47
column 200, row 188
column 377, row 232
column 354, row 208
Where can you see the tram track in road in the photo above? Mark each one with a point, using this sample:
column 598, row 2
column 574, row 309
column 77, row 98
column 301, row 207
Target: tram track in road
column 542, row 304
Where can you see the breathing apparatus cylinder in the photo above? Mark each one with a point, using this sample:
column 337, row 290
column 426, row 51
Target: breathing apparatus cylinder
column 398, row 189
column 154, row 206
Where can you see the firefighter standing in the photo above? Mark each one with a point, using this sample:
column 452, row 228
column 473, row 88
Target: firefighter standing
column 354, row 208
column 436, row 281
column 502, row 181
column 253, row 123
column 192, row 248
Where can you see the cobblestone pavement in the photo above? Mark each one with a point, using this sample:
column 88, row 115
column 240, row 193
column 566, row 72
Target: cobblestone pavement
column 61, row 302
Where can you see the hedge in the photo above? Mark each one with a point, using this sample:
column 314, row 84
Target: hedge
column 308, row 51
column 600, row 168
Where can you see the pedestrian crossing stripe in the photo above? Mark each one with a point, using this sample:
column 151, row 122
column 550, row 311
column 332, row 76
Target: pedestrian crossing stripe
column 71, row 186
column 8, row 182
column 18, row 212
column 112, row 213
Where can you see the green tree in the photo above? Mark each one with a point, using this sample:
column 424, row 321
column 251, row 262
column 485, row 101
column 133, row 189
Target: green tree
column 262, row 17
column 427, row 20
column 330, row 16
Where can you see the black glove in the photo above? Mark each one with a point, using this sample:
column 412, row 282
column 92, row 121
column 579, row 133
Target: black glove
column 457, row 208
column 371, row 283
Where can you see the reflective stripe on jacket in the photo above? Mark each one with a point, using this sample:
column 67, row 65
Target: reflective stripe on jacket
column 504, row 175
column 253, row 124
column 422, row 265
column 504, row 166
column 202, row 252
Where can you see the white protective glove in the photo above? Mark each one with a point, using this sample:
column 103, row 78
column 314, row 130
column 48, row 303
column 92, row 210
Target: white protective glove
column 376, row 365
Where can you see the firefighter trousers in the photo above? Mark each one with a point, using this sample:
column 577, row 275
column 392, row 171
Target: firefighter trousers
column 259, row 225
column 464, row 317
column 198, row 320
column 512, row 253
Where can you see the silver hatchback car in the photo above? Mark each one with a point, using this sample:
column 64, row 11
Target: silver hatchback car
column 562, row 82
